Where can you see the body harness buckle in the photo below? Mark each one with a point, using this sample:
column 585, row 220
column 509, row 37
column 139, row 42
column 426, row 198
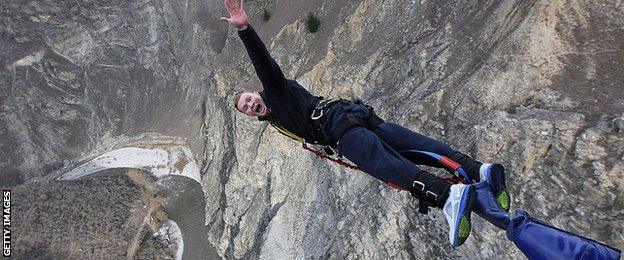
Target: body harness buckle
column 319, row 110
column 425, row 197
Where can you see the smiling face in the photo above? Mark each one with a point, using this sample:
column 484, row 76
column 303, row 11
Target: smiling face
column 251, row 104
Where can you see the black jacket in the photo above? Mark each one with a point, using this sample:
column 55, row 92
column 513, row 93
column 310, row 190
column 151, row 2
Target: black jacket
column 289, row 103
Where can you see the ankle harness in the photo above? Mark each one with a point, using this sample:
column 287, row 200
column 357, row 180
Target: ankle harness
column 425, row 197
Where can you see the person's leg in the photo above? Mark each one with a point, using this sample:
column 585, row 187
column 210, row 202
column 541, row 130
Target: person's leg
column 403, row 139
column 376, row 158
column 373, row 156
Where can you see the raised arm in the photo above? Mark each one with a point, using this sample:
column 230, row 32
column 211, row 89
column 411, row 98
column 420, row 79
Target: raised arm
column 266, row 68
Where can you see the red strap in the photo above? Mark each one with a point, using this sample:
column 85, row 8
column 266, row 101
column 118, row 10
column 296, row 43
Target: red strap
column 452, row 179
column 337, row 161
column 448, row 177
column 449, row 163
column 396, row 186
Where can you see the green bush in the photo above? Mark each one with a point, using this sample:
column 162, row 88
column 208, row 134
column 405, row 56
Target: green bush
column 312, row 22
column 266, row 15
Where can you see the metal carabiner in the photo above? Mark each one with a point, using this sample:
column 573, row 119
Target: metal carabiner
column 317, row 117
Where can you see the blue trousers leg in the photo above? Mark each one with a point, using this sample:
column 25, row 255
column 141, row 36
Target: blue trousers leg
column 373, row 156
column 401, row 139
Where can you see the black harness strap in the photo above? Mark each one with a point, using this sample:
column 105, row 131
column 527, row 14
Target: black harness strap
column 370, row 123
column 425, row 197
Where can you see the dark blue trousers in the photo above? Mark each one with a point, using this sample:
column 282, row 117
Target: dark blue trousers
column 376, row 152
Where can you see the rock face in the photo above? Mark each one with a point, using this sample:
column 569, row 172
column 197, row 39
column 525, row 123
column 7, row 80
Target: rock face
column 534, row 85
column 78, row 76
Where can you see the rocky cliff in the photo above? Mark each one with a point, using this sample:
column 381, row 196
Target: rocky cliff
column 535, row 85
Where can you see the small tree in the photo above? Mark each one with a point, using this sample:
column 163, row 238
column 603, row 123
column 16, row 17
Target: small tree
column 312, row 22
column 266, row 15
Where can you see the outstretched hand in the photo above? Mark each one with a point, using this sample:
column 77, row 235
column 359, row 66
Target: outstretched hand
column 238, row 17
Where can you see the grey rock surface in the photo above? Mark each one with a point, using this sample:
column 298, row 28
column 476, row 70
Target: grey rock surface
column 535, row 85
column 78, row 75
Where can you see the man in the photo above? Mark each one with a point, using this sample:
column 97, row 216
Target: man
column 361, row 136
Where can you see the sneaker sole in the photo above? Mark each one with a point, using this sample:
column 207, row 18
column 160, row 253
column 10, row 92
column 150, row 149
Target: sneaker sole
column 464, row 225
column 500, row 189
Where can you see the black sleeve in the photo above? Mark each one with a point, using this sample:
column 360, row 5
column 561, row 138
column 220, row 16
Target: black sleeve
column 266, row 68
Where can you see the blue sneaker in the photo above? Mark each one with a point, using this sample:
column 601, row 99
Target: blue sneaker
column 487, row 207
column 494, row 176
column 457, row 209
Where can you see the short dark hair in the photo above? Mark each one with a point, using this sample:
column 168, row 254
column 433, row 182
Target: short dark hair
column 236, row 99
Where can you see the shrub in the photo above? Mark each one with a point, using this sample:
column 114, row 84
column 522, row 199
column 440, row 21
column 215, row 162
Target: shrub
column 266, row 15
column 312, row 22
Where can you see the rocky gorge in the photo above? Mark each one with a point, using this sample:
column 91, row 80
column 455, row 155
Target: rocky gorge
column 535, row 85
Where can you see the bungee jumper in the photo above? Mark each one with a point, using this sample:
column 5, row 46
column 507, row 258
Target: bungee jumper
column 351, row 129
column 337, row 129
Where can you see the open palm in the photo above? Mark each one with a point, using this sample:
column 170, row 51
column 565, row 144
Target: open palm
column 238, row 17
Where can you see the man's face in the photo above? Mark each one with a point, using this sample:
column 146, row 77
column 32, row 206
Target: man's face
column 251, row 104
